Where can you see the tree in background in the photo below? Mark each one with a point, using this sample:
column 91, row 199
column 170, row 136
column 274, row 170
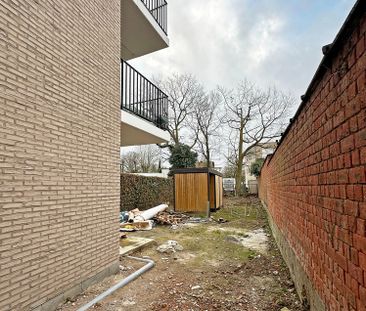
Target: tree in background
column 146, row 159
column 230, row 167
column 253, row 116
column 256, row 166
column 182, row 156
column 130, row 162
column 207, row 124
column 185, row 94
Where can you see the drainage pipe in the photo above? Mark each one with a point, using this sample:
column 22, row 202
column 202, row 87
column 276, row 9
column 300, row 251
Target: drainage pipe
column 150, row 213
column 122, row 283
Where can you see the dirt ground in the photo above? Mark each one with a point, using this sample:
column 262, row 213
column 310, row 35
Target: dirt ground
column 223, row 266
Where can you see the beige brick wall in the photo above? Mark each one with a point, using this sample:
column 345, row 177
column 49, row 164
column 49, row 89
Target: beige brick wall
column 59, row 146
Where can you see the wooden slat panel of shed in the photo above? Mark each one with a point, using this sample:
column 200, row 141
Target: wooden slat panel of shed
column 217, row 186
column 221, row 191
column 191, row 192
column 212, row 191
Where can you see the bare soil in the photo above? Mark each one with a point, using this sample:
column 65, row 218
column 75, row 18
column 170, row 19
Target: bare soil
column 233, row 265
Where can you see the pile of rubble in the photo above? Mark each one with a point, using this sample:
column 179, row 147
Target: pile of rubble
column 137, row 220
column 170, row 218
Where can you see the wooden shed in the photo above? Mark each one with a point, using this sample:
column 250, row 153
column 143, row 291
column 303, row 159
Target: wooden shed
column 197, row 190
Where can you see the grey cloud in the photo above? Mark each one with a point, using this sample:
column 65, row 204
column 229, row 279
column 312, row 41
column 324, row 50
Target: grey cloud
column 269, row 42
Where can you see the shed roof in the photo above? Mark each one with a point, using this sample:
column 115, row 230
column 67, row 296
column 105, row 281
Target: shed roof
column 191, row 170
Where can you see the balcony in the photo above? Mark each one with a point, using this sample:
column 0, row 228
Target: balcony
column 144, row 118
column 143, row 27
column 159, row 10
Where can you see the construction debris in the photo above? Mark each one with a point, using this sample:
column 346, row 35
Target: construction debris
column 170, row 218
column 137, row 226
column 150, row 213
column 129, row 216
column 136, row 220
column 137, row 215
column 169, row 247
column 196, row 220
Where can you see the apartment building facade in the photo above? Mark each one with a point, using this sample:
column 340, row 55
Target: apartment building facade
column 67, row 105
column 144, row 117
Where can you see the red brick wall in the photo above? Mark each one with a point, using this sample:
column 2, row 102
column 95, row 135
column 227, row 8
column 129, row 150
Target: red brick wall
column 315, row 183
column 59, row 148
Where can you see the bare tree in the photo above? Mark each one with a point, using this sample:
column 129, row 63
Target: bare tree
column 207, row 124
column 130, row 162
column 230, row 166
column 254, row 117
column 145, row 159
column 149, row 159
column 185, row 93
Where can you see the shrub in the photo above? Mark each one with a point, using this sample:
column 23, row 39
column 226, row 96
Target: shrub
column 256, row 166
column 182, row 156
column 145, row 192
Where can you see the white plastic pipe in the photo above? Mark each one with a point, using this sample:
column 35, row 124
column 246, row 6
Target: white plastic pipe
column 122, row 283
column 150, row 213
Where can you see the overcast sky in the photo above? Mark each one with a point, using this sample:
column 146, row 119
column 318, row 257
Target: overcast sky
column 269, row 42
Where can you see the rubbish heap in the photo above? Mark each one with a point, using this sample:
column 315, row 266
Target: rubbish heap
column 136, row 220
column 139, row 220
column 170, row 218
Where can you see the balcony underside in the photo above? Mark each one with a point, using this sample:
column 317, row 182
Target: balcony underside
column 140, row 33
column 136, row 131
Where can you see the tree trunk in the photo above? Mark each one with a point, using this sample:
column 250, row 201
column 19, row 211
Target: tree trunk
column 239, row 167
column 238, row 179
column 208, row 158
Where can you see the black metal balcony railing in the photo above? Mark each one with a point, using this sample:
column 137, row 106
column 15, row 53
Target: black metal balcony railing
column 159, row 10
column 143, row 98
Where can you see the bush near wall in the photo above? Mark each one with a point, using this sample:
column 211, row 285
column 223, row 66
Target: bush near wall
column 145, row 192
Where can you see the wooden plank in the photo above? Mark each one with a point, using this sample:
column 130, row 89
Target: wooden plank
column 201, row 189
column 217, row 187
column 177, row 191
column 180, row 198
column 221, row 191
column 212, row 191
column 133, row 244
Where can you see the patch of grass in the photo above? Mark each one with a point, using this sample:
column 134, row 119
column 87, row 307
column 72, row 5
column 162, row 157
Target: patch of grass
column 205, row 243
column 233, row 212
column 209, row 242
column 242, row 213
column 213, row 245
column 197, row 214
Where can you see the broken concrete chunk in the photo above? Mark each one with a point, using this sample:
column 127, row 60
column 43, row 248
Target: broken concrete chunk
column 195, row 287
column 128, row 302
column 169, row 247
column 165, row 249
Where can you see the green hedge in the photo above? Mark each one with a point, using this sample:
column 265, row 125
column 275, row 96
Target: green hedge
column 145, row 192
